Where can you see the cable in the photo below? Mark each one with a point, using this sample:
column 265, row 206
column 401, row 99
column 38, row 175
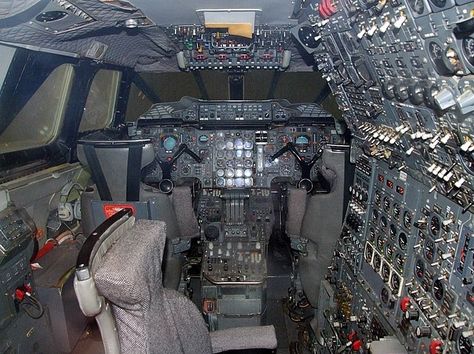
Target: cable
column 30, row 302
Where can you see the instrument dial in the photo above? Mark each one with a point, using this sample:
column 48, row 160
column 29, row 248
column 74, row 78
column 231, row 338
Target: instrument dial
column 419, row 269
column 402, row 241
column 438, row 290
column 169, row 142
column 430, row 250
column 468, row 49
column 417, row 5
column 407, row 219
column 435, row 225
column 395, row 282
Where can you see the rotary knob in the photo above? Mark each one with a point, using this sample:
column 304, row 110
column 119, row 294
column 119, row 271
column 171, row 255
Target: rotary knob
column 445, row 98
column 412, row 315
column 401, row 91
column 389, row 88
column 465, row 101
column 423, row 331
column 416, row 93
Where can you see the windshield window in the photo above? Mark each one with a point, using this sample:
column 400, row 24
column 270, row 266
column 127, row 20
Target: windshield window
column 38, row 121
column 101, row 100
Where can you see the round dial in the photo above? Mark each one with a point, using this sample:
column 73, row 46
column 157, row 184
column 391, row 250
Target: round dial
column 386, row 204
column 389, row 252
column 468, row 49
column 380, row 242
column 402, row 241
column 308, row 36
column 170, row 142
column 417, row 5
column 399, row 261
column 430, row 250
column 371, row 234
column 407, row 219
column 385, row 295
column 385, row 272
column 395, row 282
column 438, row 290
column 377, row 262
column 436, row 54
column 419, row 269
column 435, row 225
column 302, row 140
column 392, row 231
column 383, row 221
column 375, row 215
column 396, row 211
column 378, row 197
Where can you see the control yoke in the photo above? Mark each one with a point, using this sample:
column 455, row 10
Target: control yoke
column 306, row 166
column 166, row 185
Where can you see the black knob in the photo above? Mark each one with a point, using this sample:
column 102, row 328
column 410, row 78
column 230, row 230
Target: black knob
column 211, row 232
column 412, row 315
column 423, row 331
column 166, row 186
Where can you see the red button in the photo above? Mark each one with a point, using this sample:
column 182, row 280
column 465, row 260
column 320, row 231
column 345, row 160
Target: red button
column 405, row 304
column 357, row 345
column 436, row 346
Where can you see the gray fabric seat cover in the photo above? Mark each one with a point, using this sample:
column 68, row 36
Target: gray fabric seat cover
column 322, row 225
column 149, row 318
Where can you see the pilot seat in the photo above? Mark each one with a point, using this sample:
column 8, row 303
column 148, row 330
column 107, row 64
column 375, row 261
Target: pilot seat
column 135, row 313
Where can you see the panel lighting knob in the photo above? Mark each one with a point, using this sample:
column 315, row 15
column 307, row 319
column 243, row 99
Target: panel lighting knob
column 445, row 98
column 423, row 331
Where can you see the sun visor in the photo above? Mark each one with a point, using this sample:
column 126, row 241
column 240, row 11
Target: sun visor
column 238, row 22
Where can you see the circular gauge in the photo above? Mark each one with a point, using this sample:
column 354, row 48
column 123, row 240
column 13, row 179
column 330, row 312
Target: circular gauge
column 385, row 272
column 467, row 160
column 378, row 197
column 169, row 142
column 438, row 290
column 396, row 211
column 375, row 215
column 302, row 140
column 438, row 3
column 385, row 295
column 399, row 262
column 238, row 144
column 389, row 252
column 308, row 36
column 380, row 242
column 371, row 234
column 402, row 241
column 395, row 282
column 419, row 269
column 430, row 250
column 392, row 231
column 468, row 49
column 386, row 204
column 436, row 54
column 435, row 225
column 377, row 262
column 203, row 139
column 407, row 219
column 383, row 221
column 417, row 5
column 369, row 253
column 464, row 345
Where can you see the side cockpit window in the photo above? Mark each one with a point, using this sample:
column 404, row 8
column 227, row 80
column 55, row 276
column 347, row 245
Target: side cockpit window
column 34, row 119
column 101, row 101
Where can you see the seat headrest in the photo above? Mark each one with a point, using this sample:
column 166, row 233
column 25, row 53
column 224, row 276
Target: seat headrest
column 131, row 268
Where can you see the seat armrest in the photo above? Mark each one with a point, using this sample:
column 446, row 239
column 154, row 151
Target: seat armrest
column 241, row 338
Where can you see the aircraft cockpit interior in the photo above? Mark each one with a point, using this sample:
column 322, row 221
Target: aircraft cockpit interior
column 255, row 176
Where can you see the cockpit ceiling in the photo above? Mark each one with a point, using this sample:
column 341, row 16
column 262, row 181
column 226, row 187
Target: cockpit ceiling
column 98, row 30
column 177, row 12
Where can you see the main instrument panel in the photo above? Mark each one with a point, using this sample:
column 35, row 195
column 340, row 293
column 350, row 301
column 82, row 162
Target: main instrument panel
column 235, row 142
